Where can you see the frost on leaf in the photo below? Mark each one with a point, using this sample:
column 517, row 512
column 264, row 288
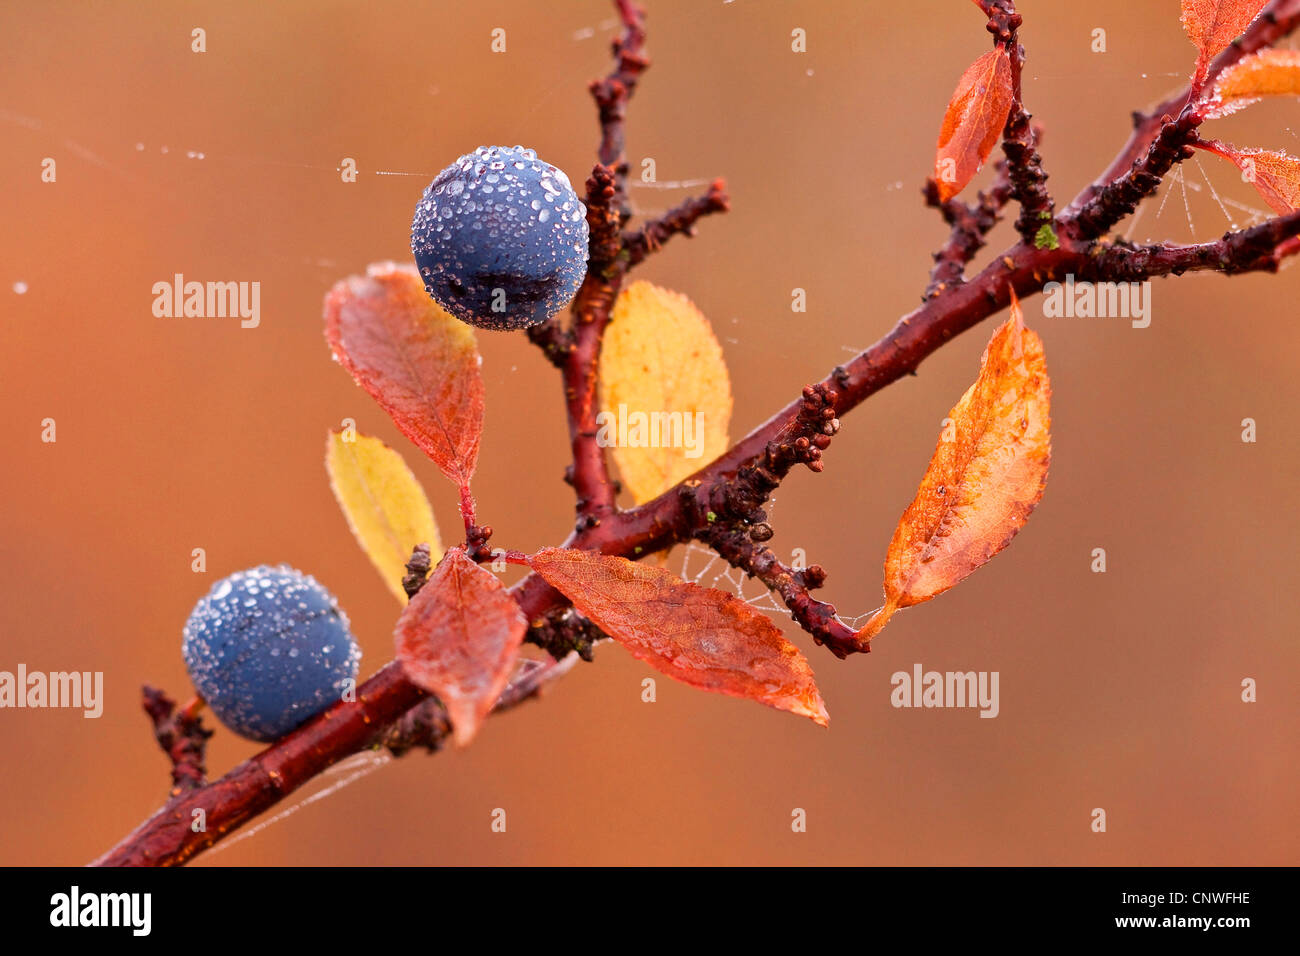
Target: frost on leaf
column 383, row 502
column 1274, row 174
column 665, row 392
column 700, row 636
column 1266, row 73
column 973, row 122
column 1212, row 25
column 987, row 474
column 417, row 362
column 459, row 639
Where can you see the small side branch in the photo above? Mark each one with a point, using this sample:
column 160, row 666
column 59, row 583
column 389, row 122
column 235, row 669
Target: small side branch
column 563, row 632
column 426, row 726
column 970, row 226
column 613, row 92
column 818, row 618
column 590, row 471
column 680, row 220
column 1257, row 249
column 577, row 350
column 1278, row 19
column 611, row 252
column 417, row 570
column 801, row 440
column 1020, row 136
column 182, row 737
column 1174, row 143
column 736, row 524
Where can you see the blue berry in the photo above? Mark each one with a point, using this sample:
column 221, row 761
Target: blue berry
column 268, row 648
column 501, row 238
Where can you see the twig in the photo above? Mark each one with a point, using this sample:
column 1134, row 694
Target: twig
column 801, row 440
column 591, row 312
column 1020, row 137
column 182, row 737
column 1257, row 249
column 1274, row 22
column 680, row 220
column 737, row 483
column 427, row 726
column 197, row 819
column 818, row 618
column 578, row 350
column 1117, row 199
column 613, row 92
column 417, row 570
column 735, row 524
column 565, row 631
column 970, row 226
column 667, row 519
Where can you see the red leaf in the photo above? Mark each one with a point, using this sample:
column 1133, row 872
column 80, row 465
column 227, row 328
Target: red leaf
column 419, row 364
column 1212, row 25
column 459, row 639
column 700, row 636
column 1274, row 174
column 976, row 115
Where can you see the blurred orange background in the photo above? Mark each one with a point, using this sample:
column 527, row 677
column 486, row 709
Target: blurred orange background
column 1118, row 690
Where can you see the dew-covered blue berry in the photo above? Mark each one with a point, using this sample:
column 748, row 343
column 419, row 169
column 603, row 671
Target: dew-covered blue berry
column 500, row 238
column 268, row 648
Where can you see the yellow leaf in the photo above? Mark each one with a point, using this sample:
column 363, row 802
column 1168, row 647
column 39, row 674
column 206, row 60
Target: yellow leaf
column 987, row 474
column 665, row 392
column 383, row 502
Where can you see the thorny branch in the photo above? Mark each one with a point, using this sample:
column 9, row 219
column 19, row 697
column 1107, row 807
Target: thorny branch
column 721, row 503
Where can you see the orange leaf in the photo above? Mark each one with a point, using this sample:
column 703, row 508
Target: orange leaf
column 416, row 361
column 699, row 636
column 1274, row 174
column 1267, row 73
column 974, row 120
column 987, row 474
column 459, row 639
column 1212, row 25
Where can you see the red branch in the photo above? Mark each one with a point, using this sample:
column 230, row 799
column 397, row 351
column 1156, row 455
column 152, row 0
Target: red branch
column 679, row 221
column 389, row 711
column 577, row 350
column 392, row 712
column 970, row 225
column 1274, row 22
column 1025, row 170
column 182, row 737
column 613, row 92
